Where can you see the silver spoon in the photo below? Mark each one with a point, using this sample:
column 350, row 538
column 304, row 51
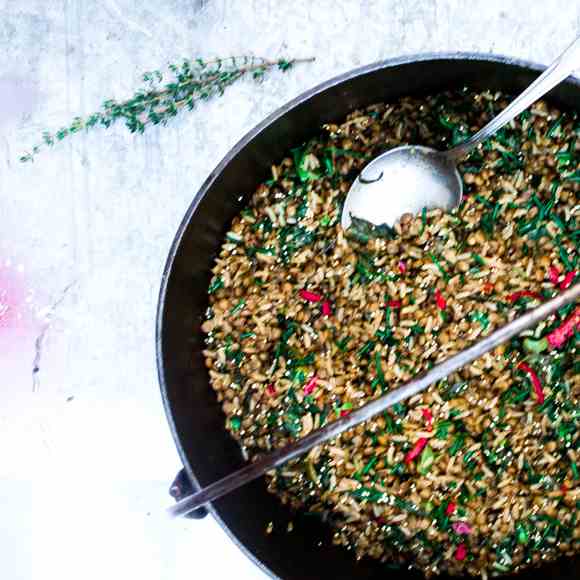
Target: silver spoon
column 268, row 462
column 408, row 178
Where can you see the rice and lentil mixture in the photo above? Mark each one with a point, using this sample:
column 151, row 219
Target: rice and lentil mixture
column 480, row 474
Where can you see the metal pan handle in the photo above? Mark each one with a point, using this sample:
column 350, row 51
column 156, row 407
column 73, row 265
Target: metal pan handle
column 183, row 487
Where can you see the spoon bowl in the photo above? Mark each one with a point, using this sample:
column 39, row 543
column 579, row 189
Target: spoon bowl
column 400, row 181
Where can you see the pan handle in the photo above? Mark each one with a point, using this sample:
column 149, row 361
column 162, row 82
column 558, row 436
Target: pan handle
column 182, row 487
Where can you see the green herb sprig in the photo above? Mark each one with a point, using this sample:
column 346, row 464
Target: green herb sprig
column 163, row 98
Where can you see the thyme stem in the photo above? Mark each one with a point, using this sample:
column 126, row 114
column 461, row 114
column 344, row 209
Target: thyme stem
column 192, row 81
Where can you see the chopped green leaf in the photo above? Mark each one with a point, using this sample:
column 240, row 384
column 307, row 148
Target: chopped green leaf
column 370, row 465
column 366, row 349
column 379, row 369
column 238, row 307
column 437, row 263
column 342, row 343
column 458, row 443
column 442, row 429
column 216, row 283
column 423, row 221
column 481, row 317
column 426, row 460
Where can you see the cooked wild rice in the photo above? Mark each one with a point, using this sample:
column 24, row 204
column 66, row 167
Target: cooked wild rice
column 481, row 473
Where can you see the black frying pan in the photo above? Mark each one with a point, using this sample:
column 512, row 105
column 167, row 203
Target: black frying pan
column 197, row 423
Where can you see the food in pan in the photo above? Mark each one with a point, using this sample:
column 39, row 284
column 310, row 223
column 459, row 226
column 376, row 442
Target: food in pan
column 481, row 473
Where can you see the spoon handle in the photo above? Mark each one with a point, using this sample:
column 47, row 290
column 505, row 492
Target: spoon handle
column 562, row 67
column 268, row 462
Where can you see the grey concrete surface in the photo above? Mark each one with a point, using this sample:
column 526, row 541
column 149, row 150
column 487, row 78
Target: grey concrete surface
column 84, row 232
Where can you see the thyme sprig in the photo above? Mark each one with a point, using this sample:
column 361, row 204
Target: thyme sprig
column 162, row 98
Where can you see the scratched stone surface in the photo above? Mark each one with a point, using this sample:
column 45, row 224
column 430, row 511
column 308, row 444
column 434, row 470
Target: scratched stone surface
column 84, row 231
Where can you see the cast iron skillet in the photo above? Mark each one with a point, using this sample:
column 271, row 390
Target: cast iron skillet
column 195, row 417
